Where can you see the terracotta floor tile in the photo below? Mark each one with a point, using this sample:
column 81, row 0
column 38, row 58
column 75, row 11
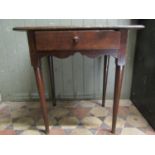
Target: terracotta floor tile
column 102, row 131
column 80, row 112
column 123, row 111
column 148, row 130
column 57, row 131
column 7, row 132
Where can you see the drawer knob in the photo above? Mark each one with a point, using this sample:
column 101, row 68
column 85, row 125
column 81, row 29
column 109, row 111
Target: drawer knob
column 76, row 39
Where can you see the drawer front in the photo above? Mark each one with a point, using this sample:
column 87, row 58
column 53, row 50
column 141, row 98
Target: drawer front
column 77, row 40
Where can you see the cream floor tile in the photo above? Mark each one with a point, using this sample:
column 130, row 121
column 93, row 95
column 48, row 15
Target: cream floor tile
column 30, row 132
column 137, row 121
column 131, row 131
column 120, row 122
column 81, row 131
column 5, row 122
column 69, row 122
column 134, row 111
column 91, row 122
column 58, row 112
column 23, row 123
column 87, row 104
column 99, row 111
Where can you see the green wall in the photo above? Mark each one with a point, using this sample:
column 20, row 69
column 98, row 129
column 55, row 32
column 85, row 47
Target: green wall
column 75, row 77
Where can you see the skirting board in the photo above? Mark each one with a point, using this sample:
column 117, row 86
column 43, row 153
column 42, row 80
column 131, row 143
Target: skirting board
column 108, row 103
column 21, row 97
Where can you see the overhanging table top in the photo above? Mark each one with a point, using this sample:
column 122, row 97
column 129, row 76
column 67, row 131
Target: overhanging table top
column 68, row 28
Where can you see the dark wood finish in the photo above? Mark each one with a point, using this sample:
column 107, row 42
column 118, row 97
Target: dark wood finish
column 120, row 63
column 90, row 41
column 51, row 73
column 77, row 40
column 105, row 77
column 88, row 53
column 117, row 92
column 36, row 63
column 41, row 89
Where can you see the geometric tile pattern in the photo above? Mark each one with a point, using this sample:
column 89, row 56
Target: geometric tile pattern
column 91, row 122
column 85, row 117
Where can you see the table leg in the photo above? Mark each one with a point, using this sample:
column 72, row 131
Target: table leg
column 105, row 77
column 41, row 89
column 117, row 92
column 51, row 73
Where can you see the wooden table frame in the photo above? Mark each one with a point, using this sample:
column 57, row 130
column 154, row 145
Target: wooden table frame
column 65, row 41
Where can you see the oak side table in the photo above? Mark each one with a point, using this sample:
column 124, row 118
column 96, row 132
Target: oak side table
column 62, row 42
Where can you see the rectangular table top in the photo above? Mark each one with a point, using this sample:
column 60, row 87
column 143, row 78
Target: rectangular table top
column 68, row 28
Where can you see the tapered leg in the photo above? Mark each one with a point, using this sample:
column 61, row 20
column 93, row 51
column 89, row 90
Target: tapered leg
column 41, row 89
column 51, row 72
column 105, row 77
column 117, row 92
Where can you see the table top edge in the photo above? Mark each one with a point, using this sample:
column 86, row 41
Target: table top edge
column 67, row 28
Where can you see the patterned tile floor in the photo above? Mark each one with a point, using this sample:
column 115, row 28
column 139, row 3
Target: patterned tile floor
column 71, row 118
